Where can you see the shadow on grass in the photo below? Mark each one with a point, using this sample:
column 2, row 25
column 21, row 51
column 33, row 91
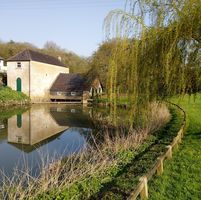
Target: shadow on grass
column 194, row 135
column 124, row 182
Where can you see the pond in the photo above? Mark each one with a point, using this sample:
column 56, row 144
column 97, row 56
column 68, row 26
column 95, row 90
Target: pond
column 44, row 133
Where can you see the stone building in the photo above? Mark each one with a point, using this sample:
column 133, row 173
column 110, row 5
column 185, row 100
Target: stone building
column 33, row 73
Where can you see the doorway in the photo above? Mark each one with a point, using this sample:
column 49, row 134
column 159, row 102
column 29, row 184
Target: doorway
column 19, row 84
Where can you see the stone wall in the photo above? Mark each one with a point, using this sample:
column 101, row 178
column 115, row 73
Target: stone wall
column 14, row 72
column 42, row 77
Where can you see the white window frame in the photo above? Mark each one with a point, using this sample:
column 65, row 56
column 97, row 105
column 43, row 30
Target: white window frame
column 73, row 93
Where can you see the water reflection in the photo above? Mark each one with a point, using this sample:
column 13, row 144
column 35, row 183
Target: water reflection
column 33, row 126
column 53, row 130
column 49, row 131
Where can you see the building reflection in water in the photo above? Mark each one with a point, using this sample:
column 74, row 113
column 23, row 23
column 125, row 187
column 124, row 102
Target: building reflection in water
column 42, row 122
column 33, row 126
column 55, row 130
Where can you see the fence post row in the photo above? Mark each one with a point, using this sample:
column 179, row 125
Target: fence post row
column 142, row 187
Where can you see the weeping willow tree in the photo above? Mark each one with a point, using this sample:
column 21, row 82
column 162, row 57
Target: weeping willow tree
column 158, row 50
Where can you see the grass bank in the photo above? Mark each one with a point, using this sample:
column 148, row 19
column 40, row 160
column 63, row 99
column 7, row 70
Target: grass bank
column 125, row 181
column 10, row 97
column 182, row 175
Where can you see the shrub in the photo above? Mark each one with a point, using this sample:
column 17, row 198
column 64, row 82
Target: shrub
column 11, row 97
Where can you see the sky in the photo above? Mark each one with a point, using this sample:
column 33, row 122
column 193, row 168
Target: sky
column 76, row 25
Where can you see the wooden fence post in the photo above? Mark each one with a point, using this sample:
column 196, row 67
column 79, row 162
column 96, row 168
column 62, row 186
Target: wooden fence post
column 169, row 155
column 176, row 146
column 160, row 167
column 144, row 192
column 182, row 134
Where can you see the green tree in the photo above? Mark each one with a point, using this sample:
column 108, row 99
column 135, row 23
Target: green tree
column 100, row 61
column 163, row 57
column 76, row 63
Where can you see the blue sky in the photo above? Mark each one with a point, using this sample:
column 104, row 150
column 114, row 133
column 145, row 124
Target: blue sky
column 75, row 25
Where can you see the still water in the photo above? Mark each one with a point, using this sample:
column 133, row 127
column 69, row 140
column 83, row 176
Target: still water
column 43, row 132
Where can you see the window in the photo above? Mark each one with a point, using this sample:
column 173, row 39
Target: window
column 73, row 93
column 19, row 139
column 92, row 92
column 19, row 65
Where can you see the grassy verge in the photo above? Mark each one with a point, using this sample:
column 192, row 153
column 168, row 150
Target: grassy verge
column 123, row 183
column 11, row 97
column 182, row 176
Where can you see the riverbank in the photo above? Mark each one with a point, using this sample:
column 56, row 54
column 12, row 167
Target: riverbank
column 83, row 175
column 123, row 183
column 9, row 97
column 182, row 175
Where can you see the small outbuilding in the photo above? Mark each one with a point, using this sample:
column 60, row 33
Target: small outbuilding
column 75, row 87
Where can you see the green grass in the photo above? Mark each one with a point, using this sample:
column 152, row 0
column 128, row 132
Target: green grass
column 182, row 175
column 127, row 178
column 122, row 100
column 11, row 97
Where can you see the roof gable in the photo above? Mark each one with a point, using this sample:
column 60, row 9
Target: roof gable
column 30, row 55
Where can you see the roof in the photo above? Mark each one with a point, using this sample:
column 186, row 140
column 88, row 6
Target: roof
column 30, row 55
column 68, row 83
column 73, row 83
